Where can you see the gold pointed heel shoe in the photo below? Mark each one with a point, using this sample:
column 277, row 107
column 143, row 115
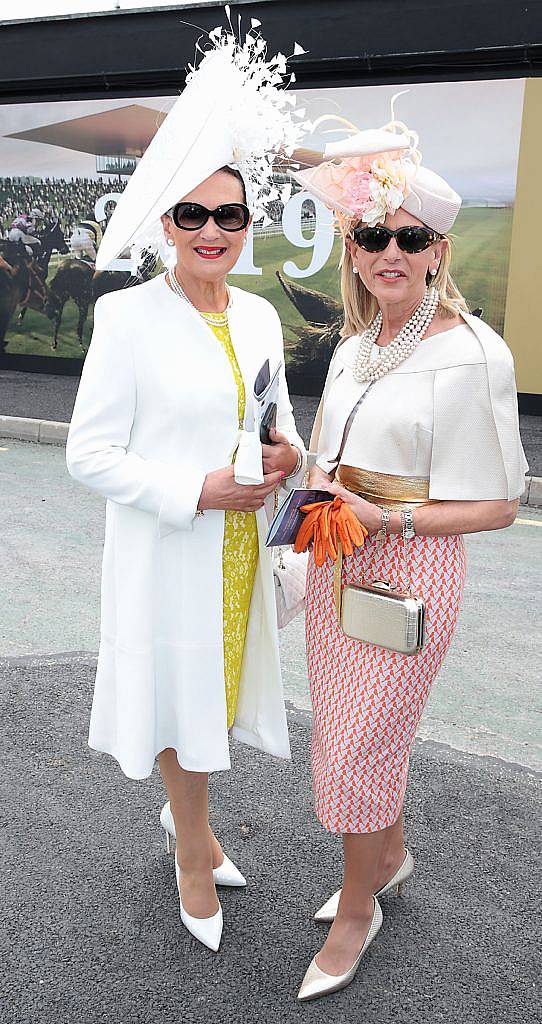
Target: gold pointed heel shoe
column 317, row 983
column 328, row 912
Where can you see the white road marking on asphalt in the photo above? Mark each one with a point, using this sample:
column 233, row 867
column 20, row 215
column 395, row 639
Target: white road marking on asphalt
column 529, row 522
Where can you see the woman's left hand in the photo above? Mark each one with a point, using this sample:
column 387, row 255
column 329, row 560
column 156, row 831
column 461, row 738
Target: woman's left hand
column 280, row 455
column 365, row 511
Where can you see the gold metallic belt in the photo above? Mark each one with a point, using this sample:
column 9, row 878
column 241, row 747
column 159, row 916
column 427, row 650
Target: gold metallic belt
column 386, row 490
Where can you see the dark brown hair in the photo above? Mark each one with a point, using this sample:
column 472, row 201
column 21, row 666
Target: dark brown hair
column 235, row 174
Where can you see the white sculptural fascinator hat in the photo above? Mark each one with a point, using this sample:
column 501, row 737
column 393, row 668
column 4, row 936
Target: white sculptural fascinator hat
column 234, row 110
column 373, row 173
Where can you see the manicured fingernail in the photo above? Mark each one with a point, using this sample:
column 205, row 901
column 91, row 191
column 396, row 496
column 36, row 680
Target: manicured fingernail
column 282, row 474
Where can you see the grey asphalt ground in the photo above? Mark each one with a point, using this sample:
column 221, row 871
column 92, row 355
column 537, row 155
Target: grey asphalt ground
column 91, row 931
column 89, row 924
column 51, row 397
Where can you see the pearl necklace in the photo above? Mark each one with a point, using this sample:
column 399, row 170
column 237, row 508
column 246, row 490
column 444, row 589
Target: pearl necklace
column 216, row 318
column 401, row 347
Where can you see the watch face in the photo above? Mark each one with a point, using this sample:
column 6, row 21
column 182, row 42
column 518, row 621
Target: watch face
column 408, row 524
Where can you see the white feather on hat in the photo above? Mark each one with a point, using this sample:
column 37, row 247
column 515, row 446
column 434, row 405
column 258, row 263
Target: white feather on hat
column 233, row 110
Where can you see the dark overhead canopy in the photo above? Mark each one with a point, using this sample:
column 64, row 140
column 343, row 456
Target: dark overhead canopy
column 349, row 41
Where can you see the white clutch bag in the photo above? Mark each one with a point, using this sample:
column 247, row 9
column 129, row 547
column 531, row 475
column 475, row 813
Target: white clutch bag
column 290, row 578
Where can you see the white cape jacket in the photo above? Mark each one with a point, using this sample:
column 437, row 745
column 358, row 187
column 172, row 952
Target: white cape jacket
column 476, row 451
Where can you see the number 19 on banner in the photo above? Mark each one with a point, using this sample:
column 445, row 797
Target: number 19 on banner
column 314, row 233
column 319, row 238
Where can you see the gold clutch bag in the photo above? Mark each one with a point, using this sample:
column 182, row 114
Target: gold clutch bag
column 379, row 613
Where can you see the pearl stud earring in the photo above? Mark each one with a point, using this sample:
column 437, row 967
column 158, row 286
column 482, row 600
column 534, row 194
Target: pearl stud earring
column 170, row 241
column 355, row 270
column 434, row 271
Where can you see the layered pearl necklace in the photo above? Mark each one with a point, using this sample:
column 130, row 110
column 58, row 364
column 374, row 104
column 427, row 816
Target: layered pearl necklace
column 401, row 347
column 212, row 318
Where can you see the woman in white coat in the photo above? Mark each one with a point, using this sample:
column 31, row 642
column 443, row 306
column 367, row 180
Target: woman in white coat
column 164, row 428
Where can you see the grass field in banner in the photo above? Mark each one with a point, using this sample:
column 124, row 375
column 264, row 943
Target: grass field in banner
column 481, row 247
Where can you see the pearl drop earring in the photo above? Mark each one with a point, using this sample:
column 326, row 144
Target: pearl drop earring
column 170, row 241
column 355, row 270
column 434, row 271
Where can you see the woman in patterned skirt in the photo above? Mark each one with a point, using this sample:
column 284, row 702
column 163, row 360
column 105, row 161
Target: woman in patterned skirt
column 418, row 433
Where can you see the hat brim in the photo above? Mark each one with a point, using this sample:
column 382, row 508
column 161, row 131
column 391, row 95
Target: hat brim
column 191, row 144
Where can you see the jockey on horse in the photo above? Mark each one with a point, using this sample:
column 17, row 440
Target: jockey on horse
column 23, row 229
column 85, row 240
column 27, row 246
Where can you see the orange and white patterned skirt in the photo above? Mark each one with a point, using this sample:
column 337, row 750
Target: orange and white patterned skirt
column 367, row 701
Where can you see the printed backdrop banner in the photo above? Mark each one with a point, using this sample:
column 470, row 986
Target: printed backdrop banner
column 63, row 166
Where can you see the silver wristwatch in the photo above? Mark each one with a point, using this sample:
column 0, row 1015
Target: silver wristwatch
column 407, row 521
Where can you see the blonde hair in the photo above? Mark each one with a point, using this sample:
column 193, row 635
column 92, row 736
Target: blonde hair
column 361, row 307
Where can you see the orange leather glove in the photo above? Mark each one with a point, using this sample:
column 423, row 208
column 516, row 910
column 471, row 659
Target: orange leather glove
column 325, row 524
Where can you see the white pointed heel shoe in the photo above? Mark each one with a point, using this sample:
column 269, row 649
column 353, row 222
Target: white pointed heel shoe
column 207, row 930
column 317, row 983
column 225, row 874
column 328, row 912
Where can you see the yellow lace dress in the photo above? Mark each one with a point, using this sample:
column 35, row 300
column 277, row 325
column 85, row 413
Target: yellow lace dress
column 240, row 550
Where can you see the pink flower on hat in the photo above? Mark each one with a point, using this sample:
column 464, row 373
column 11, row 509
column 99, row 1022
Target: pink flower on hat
column 370, row 188
column 388, row 188
column 357, row 190
column 365, row 187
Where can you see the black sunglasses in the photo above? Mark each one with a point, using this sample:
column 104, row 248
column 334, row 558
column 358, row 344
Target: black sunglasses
column 228, row 216
column 409, row 239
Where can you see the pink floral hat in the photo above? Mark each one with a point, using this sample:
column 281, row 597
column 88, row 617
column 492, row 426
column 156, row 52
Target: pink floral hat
column 373, row 173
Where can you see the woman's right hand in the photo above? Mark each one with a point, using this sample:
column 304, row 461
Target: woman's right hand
column 220, row 491
column 318, row 480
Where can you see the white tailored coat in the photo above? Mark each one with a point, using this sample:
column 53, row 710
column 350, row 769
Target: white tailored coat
column 155, row 412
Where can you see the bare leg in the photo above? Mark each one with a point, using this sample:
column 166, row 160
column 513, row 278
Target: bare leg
column 393, row 853
column 188, row 793
column 370, row 860
column 217, row 853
